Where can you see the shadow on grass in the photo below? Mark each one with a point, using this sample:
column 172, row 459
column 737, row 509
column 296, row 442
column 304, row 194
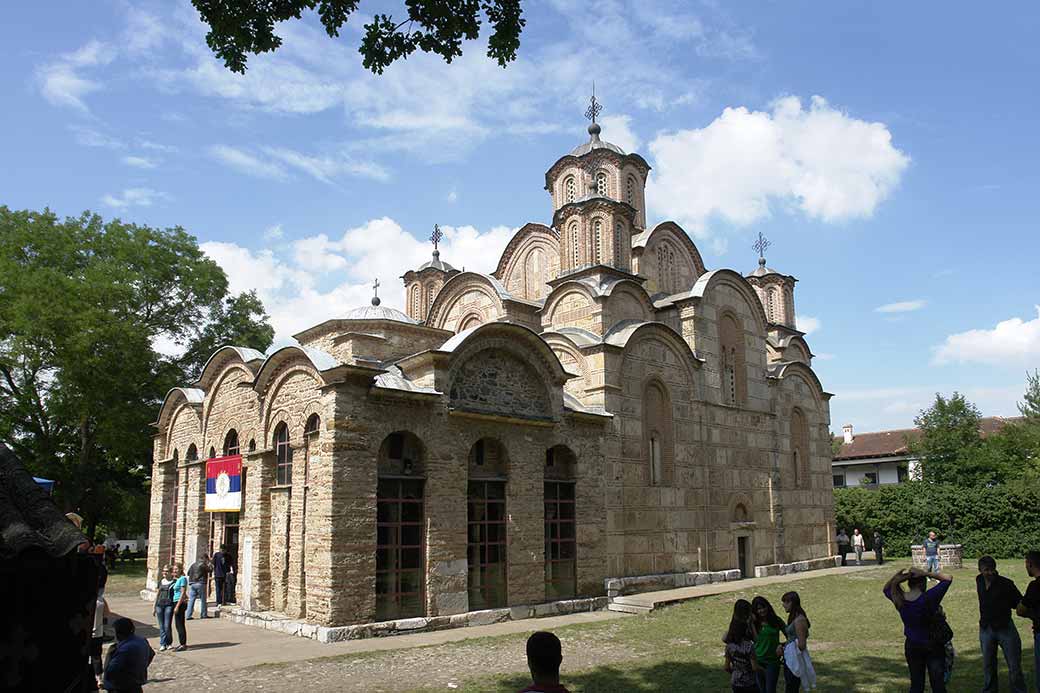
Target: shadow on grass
column 859, row 673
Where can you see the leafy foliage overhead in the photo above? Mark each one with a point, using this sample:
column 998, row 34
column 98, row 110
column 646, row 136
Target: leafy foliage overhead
column 239, row 27
column 82, row 303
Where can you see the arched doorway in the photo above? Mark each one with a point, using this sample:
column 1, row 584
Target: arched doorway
column 561, row 541
column 486, row 545
column 400, row 555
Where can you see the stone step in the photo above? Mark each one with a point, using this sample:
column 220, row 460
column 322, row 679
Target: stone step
column 629, row 608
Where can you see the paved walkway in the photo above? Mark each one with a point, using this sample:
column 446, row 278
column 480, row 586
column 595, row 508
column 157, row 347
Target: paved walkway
column 218, row 643
column 648, row 601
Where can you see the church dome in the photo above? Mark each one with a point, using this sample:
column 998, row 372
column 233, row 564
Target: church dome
column 762, row 269
column 595, row 143
column 378, row 312
column 436, row 263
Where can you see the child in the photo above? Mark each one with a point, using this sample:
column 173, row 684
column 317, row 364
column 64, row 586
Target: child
column 740, row 649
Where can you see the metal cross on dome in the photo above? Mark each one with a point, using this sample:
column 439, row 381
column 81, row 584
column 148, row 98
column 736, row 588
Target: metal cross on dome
column 595, row 107
column 375, row 288
column 436, row 236
column 761, row 245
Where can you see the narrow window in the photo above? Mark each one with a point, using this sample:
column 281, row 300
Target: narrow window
column 570, row 189
column 575, row 246
column 283, row 455
column 630, row 191
column 655, row 458
column 231, row 443
column 601, row 184
column 734, row 372
column 192, row 454
column 597, row 242
column 310, row 436
column 772, row 304
column 618, row 235
column 431, row 293
column 658, row 436
column 417, row 311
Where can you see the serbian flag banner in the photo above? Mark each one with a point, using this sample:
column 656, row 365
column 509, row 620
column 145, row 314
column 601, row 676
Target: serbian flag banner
column 224, row 484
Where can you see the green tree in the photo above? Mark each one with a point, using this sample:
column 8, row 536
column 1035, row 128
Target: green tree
column 948, row 442
column 81, row 304
column 238, row 27
column 1030, row 407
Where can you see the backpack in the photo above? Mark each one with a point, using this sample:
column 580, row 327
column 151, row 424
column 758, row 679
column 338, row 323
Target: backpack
column 165, row 595
column 939, row 631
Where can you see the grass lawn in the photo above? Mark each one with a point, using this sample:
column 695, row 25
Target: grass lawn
column 127, row 578
column 856, row 640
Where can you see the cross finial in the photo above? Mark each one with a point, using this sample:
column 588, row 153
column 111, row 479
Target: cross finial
column 375, row 292
column 436, row 236
column 595, row 107
column 761, row 245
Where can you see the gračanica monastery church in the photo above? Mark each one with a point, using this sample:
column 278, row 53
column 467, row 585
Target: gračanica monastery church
column 598, row 405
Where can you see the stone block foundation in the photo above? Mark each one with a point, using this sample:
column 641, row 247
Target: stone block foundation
column 619, row 587
column 284, row 624
column 950, row 555
column 797, row 567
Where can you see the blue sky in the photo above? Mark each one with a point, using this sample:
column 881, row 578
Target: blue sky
column 887, row 150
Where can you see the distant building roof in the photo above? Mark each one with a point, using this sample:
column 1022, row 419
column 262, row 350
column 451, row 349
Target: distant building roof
column 894, row 443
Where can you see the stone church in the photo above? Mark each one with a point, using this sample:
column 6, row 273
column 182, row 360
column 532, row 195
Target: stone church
column 599, row 405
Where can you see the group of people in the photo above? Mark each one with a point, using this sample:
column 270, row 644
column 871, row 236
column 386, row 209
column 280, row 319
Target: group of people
column 858, row 544
column 755, row 657
column 177, row 593
column 928, row 647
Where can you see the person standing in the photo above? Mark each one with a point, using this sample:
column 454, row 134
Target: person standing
column 843, row 545
column 220, row 571
column 857, row 545
column 931, row 553
column 126, row 669
column 164, row 608
column 1029, row 608
column 180, row 606
column 767, row 639
column 797, row 665
column 741, row 664
column 918, row 608
column 544, row 656
column 997, row 597
column 198, row 575
column 879, row 548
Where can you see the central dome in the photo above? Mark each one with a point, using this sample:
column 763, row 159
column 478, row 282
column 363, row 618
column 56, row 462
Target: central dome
column 378, row 312
column 595, row 143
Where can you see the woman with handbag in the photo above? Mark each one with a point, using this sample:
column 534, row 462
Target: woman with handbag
column 926, row 636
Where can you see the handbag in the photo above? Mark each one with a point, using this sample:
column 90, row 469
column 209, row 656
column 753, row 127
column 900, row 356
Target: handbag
column 939, row 631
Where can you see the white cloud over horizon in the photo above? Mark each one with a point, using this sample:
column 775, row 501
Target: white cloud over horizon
column 319, row 277
column 815, row 160
column 134, row 197
column 807, row 323
column 1013, row 341
column 902, row 306
column 61, row 81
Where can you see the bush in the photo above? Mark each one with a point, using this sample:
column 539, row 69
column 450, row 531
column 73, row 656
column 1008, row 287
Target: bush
column 1000, row 521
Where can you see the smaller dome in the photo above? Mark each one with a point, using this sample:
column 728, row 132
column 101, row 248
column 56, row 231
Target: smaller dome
column 762, row 269
column 378, row 312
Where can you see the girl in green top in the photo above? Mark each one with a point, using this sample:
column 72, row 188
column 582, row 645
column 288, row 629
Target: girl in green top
column 768, row 626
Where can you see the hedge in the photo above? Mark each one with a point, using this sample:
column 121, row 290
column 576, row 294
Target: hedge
column 1002, row 521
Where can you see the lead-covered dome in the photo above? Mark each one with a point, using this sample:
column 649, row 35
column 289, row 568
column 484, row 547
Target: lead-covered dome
column 378, row 312
column 595, row 143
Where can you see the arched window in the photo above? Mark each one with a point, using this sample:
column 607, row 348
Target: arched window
column 400, row 574
column 597, row 242
column 417, row 311
column 575, row 245
column 252, row 445
column 630, row 190
column 773, row 304
column 619, row 234
column 486, row 519
column 667, row 272
column 431, row 293
column 800, row 450
column 561, row 546
column 601, row 184
column 212, row 452
column 734, row 370
column 310, row 439
column 192, row 454
column 570, row 189
column 658, row 436
column 231, row 443
column 282, row 455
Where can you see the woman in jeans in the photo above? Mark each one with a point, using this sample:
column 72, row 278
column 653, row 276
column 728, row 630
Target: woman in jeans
column 180, row 606
column 768, row 627
column 917, row 606
column 164, row 608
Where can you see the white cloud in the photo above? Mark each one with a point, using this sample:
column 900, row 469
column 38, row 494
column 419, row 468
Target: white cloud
column 246, row 163
column 134, row 197
column 61, row 81
column 453, row 196
column 273, row 232
column 816, row 160
column 143, row 33
column 320, row 277
column 140, row 162
column 90, row 137
column 327, row 168
column 1011, row 341
column 902, row 306
column 618, row 129
column 156, row 146
column 806, row 323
